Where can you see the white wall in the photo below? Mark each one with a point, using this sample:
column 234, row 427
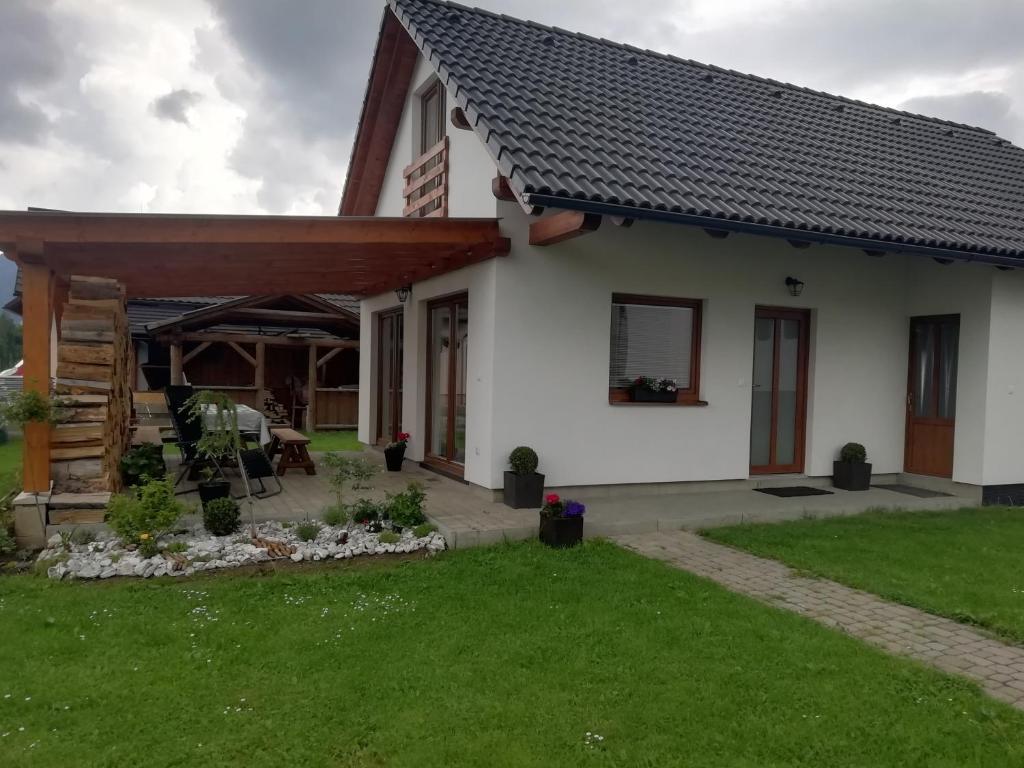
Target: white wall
column 1004, row 415
column 470, row 168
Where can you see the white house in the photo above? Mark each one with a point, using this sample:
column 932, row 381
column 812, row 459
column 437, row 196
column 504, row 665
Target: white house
column 810, row 270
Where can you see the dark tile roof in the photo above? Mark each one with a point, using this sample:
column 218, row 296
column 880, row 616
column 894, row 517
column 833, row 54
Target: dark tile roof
column 143, row 311
column 584, row 119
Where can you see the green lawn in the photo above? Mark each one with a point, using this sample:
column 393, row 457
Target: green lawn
column 10, row 464
column 334, row 441
column 491, row 657
column 964, row 564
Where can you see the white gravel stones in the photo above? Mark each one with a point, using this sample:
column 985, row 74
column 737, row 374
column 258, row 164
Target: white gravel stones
column 107, row 557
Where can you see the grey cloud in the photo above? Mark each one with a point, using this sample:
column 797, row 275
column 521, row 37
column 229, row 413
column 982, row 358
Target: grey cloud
column 989, row 109
column 175, row 105
column 29, row 56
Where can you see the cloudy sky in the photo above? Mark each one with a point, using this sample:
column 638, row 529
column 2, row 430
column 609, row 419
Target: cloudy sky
column 249, row 106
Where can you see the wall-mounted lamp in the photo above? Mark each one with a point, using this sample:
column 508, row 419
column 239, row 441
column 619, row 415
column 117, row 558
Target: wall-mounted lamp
column 403, row 293
column 796, row 287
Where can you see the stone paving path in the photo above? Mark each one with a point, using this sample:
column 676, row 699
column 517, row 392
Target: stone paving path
column 898, row 629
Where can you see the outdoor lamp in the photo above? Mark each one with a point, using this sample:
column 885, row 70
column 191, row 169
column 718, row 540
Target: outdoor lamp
column 796, row 287
column 403, row 292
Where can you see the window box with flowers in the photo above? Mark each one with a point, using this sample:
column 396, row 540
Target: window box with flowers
column 394, row 453
column 647, row 389
column 561, row 522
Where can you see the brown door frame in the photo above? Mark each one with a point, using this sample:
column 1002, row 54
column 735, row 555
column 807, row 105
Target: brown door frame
column 908, row 442
column 444, row 463
column 386, row 433
column 800, row 429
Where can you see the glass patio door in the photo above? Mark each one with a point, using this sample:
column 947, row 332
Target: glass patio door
column 390, row 332
column 447, row 350
column 779, row 391
column 931, row 395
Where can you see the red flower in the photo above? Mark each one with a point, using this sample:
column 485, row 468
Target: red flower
column 551, row 498
column 403, row 436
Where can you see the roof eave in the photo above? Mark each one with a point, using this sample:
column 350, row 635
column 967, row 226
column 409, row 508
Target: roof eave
column 786, row 233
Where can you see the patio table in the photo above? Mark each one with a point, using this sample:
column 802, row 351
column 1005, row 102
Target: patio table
column 249, row 421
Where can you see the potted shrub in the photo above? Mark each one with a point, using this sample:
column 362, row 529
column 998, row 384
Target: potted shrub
column 219, row 442
column 524, row 486
column 647, row 389
column 561, row 522
column 852, row 472
column 394, row 453
column 213, row 486
column 142, row 461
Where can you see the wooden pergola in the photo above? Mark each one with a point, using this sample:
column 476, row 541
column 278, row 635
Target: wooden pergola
column 154, row 255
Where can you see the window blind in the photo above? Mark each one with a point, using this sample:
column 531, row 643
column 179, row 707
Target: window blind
column 650, row 340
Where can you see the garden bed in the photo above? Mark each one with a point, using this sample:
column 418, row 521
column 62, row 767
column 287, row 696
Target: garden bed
column 186, row 553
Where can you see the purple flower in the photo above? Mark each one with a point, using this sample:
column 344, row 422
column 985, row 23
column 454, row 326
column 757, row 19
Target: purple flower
column 574, row 509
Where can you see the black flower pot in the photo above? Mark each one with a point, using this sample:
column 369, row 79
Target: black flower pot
column 647, row 396
column 561, row 532
column 851, row 476
column 524, row 491
column 394, row 458
column 213, row 489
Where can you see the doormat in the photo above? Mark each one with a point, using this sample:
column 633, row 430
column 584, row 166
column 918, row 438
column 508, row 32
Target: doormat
column 910, row 490
column 789, row 491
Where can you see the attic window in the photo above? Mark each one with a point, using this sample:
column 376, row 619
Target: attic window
column 427, row 177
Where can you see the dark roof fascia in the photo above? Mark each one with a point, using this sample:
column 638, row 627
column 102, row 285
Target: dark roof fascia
column 752, row 228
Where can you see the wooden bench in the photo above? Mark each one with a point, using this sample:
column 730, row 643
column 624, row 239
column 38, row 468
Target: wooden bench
column 144, row 435
column 292, row 447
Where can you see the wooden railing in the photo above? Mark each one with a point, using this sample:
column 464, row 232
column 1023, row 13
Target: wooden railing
column 426, row 183
column 337, row 408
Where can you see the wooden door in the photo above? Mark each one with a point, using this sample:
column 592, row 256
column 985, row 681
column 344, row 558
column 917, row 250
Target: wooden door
column 390, row 333
column 447, row 351
column 931, row 395
column 778, row 411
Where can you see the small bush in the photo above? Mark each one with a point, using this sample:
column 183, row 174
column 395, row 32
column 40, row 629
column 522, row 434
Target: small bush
column 150, row 509
column 177, row 548
column 365, row 511
column 406, row 508
column 220, row 516
column 421, row 531
column 28, row 406
column 147, row 546
column 853, row 453
column 83, row 536
column 7, row 543
column 388, row 537
column 335, row 515
column 143, row 461
column 523, row 460
column 307, row 531
column 348, row 471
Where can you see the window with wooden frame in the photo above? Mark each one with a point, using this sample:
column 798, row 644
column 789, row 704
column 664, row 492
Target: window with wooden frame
column 655, row 338
column 426, row 179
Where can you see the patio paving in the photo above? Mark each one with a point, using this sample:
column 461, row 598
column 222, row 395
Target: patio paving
column 901, row 630
column 468, row 516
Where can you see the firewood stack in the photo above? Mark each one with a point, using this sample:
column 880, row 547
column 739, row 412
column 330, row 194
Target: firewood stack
column 93, row 383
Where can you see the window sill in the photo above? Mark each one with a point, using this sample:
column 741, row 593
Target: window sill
column 682, row 404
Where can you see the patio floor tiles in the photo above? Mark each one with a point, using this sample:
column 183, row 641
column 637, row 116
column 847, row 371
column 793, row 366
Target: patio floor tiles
column 899, row 629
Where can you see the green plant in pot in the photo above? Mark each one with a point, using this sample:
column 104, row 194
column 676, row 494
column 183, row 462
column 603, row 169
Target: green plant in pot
column 394, row 452
column 852, row 472
column 142, row 461
column 524, row 486
column 220, row 441
column 561, row 521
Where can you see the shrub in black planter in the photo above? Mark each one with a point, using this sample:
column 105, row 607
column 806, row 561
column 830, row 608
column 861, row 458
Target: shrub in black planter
column 852, row 472
column 524, row 486
column 394, row 453
column 220, row 516
column 212, row 487
column 561, row 522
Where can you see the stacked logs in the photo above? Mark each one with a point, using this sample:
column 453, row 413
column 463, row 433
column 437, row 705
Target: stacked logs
column 93, row 387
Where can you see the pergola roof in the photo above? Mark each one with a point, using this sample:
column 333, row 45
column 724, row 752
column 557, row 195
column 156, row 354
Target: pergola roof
column 203, row 255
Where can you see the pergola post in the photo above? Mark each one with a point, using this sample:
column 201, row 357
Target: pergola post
column 311, row 400
column 37, row 324
column 261, row 367
column 177, row 377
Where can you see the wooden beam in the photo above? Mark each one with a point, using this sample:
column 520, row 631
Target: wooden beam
column 261, row 367
column 37, row 320
column 287, row 315
column 459, row 119
column 251, row 338
column 502, row 190
column 562, row 226
column 177, row 377
column 195, row 352
column 717, row 234
column 326, row 358
column 800, row 244
column 242, row 353
column 311, row 387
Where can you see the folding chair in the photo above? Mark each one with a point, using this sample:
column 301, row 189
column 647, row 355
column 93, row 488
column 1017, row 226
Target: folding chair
column 253, row 464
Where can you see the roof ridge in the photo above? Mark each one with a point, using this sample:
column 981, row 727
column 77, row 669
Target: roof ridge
column 698, row 64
